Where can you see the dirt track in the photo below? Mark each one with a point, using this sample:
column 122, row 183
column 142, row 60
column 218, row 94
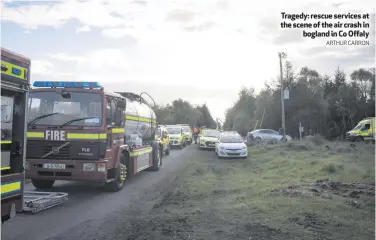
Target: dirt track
column 92, row 213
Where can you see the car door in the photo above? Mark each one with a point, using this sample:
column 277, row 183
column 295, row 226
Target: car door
column 274, row 135
column 263, row 134
column 366, row 131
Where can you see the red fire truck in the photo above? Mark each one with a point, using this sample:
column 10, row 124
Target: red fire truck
column 79, row 131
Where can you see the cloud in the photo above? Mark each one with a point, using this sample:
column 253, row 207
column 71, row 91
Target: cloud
column 197, row 50
column 180, row 15
column 41, row 67
column 56, row 14
column 83, row 29
column 200, row 27
column 140, row 2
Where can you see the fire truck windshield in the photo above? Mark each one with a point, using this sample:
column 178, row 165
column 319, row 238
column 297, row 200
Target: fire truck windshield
column 80, row 108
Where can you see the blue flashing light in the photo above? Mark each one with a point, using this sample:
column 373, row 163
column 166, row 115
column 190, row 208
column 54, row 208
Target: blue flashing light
column 66, row 84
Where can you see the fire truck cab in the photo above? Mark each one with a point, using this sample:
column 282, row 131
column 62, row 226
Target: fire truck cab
column 15, row 75
column 78, row 131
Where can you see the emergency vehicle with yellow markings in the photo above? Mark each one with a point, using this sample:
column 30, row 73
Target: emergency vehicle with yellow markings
column 363, row 131
column 188, row 133
column 15, row 84
column 79, row 131
column 164, row 139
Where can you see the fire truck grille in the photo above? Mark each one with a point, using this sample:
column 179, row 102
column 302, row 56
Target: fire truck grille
column 72, row 151
column 37, row 149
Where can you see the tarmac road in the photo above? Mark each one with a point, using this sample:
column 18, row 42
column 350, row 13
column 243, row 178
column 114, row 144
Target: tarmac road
column 89, row 207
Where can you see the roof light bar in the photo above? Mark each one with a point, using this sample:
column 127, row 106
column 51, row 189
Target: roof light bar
column 58, row 84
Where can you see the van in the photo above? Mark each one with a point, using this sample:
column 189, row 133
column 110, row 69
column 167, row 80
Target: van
column 363, row 131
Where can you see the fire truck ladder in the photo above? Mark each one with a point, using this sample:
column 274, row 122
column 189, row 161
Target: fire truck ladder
column 38, row 201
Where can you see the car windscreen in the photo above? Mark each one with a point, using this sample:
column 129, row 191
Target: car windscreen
column 63, row 108
column 174, row 130
column 357, row 127
column 231, row 139
column 211, row 134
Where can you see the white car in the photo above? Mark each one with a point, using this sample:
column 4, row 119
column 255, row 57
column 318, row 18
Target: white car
column 264, row 135
column 231, row 146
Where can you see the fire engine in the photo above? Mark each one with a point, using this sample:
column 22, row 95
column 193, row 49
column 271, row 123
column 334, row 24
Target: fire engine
column 79, row 131
column 15, row 75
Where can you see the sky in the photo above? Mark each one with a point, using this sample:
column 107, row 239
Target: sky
column 202, row 51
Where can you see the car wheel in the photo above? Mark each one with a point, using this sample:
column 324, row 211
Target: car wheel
column 359, row 139
column 258, row 139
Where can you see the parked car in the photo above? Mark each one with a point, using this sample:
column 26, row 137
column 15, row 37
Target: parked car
column 177, row 137
column 208, row 139
column 265, row 135
column 231, row 146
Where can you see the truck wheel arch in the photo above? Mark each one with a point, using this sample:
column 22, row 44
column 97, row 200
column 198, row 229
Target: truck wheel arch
column 124, row 149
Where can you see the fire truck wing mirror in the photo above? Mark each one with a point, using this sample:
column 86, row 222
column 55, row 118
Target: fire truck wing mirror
column 66, row 95
column 121, row 103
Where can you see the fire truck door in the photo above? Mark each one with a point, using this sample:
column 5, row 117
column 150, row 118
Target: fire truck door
column 7, row 107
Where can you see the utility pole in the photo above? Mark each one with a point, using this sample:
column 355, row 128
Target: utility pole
column 282, row 55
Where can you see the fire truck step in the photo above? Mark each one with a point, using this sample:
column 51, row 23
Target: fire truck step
column 110, row 180
column 38, row 201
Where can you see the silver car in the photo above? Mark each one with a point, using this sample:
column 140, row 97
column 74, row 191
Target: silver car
column 265, row 135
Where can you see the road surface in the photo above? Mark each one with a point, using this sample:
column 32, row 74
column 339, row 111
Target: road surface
column 89, row 208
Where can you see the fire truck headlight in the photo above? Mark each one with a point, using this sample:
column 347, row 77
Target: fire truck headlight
column 89, row 167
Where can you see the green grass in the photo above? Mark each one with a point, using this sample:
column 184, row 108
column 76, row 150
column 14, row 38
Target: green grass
column 237, row 188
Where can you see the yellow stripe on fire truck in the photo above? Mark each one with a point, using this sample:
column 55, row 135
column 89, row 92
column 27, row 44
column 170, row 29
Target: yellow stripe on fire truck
column 13, row 70
column 10, row 187
column 140, row 119
column 117, row 130
column 35, row 134
column 140, row 152
column 71, row 135
column 86, row 136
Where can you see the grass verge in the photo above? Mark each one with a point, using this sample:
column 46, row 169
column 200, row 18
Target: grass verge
column 297, row 190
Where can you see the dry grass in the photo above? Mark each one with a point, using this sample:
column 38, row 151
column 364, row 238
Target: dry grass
column 298, row 190
column 307, row 190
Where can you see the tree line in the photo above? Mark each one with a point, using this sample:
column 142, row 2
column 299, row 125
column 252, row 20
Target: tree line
column 183, row 112
column 328, row 105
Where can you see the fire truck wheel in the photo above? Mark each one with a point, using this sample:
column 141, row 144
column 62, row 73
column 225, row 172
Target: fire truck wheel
column 42, row 184
column 121, row 174
column 157, row 160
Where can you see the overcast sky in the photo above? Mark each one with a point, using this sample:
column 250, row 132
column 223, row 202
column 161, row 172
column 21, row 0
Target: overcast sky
column 199, row 50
